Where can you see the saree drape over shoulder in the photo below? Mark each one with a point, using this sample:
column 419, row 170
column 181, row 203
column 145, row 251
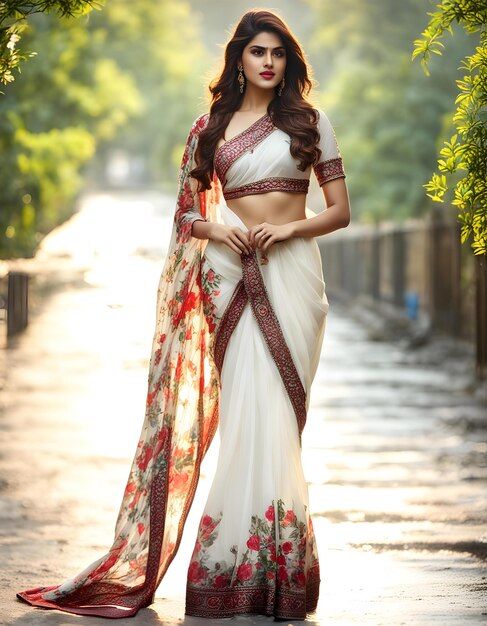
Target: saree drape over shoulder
column 236, row 346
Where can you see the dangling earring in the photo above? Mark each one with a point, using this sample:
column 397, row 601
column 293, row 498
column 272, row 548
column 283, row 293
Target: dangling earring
column 281, row 86
column 241, row 78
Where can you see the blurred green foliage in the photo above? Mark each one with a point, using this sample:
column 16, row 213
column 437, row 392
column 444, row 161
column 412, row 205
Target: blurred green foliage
column 124, row 78
column 467, row 148
column 387, row 114
column 13, row 22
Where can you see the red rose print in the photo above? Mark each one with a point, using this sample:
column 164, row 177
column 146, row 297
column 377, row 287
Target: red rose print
column 130, row 488
column 197, row 546
column 272, row 550
column 201, row 123
column 253, row 542
column 140, row 528
column 111, row 560
column 136, row 499
column 282, row 576
column 281, row 559
column 211, row 276
column 189, row 334
column 162, row 434
column 244, row 571
column 191, row 301
column 180, row 479
column 178, row 452
column 144, row 458
column 184, row 231
column 301, row 579
column 195, row 572
column 288, row 518
column 270, row 575
column 207, row 532
column 179, row 367
column 161, row 440
column 206, row 521
column 186, row 199
column 221, row 581
column 270, row 513
column 287, row 547
column 162, row 337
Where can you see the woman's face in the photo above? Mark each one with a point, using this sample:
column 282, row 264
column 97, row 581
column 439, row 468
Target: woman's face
column 264, row 53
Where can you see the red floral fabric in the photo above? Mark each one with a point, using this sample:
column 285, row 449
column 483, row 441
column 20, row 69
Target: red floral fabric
column 278, row 574
column 181, row 417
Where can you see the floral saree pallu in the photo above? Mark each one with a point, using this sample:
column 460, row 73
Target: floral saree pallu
column 236, row 345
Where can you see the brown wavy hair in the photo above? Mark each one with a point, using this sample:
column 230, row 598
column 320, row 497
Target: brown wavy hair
column 290, row 112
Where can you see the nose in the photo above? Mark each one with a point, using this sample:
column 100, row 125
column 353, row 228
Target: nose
column 268, row 59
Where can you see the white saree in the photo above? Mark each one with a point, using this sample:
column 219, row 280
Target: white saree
column 236, row 346
column 255, row 550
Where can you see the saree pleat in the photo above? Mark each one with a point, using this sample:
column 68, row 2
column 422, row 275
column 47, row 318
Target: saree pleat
column 256, row 551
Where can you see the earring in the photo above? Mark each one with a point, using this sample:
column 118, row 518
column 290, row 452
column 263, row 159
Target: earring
column 241, row 78
column 281, row 86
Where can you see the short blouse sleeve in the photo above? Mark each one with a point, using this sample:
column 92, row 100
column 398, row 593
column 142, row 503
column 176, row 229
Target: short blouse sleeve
column 330, row 165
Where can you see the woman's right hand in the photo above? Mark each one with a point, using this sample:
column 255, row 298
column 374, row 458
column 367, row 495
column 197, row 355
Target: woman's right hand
column 232, row 236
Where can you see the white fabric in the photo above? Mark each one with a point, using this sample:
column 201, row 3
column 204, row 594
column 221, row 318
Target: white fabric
column 271, row 157
column 259, row 455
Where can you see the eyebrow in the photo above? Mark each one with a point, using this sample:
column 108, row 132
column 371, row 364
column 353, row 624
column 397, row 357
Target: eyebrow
column 264, row 48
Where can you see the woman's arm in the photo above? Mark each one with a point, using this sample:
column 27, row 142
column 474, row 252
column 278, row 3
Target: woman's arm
column 335, row 216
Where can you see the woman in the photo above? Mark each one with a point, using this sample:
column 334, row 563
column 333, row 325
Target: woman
column 240, row 319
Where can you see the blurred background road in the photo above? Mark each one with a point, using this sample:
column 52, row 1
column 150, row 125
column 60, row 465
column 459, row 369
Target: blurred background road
column 394, row 448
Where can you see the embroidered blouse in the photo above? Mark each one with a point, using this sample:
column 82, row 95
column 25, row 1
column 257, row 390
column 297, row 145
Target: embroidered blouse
column 258, row 160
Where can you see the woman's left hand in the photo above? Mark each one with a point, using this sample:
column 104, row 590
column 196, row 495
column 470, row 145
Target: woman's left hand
column 264, row 235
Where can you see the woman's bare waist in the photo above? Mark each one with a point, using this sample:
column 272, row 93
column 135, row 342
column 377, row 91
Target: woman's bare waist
column 275, row 207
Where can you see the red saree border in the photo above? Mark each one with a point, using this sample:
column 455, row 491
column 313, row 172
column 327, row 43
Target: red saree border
column 273, row 335
column 265, row 600
column 252, row 288
column 329, row 170
column 272, row 183
column 232, row 149
column 228, row 323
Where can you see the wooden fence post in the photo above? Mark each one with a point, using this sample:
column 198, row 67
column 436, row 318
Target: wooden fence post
column 17, row 302
column 398, row 267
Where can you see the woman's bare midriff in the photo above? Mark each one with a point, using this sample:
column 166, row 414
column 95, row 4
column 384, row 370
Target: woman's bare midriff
column 275, row 207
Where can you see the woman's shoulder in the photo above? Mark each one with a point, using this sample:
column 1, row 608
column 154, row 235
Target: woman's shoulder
column 321, row 116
